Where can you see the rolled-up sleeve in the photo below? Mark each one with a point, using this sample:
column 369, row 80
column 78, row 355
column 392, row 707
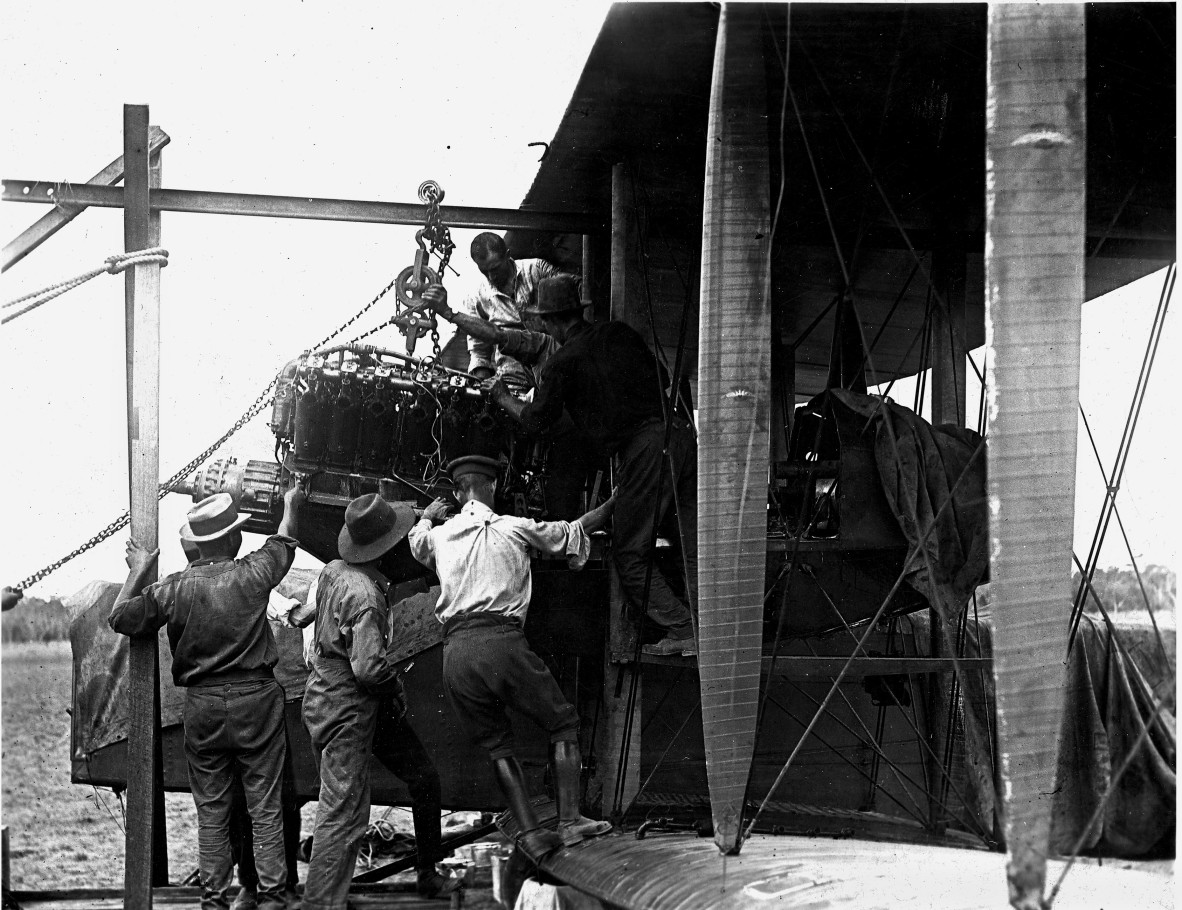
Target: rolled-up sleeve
column 558, row 538
column 480, row 353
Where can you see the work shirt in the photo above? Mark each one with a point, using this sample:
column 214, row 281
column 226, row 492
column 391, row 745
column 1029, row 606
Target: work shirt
column 482, row 558
column 606, row 377
column 503, row 309
column 215, row 611
column 353, row 625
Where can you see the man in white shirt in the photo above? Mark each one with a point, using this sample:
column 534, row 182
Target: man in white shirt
column 482, row 560
column 507, row 289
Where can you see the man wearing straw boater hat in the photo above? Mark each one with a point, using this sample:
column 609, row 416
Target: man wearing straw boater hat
column 482, row 560
column 223, row 654
column 354, row 705
column 608, row 380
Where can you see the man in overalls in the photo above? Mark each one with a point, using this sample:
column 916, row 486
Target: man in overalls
column 354, row 692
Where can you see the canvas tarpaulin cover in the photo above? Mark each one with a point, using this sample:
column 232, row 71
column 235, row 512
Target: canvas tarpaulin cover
column 100, row 656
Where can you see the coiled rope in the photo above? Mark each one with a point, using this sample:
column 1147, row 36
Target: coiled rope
column 113, row 265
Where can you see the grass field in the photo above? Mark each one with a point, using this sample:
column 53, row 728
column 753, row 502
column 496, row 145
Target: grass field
column 63, row 835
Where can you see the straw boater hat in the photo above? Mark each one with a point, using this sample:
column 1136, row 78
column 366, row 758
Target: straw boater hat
column 474, row 464
column 557, row 294
column 213, row 517
column 373, row 526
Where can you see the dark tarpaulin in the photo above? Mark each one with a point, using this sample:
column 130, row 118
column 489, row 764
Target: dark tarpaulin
column 931, row 473
column 100, row 656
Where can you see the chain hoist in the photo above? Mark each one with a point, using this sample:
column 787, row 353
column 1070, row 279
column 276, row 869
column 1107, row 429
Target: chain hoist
column 414, row 321
column 259, row 403
column 411, row 321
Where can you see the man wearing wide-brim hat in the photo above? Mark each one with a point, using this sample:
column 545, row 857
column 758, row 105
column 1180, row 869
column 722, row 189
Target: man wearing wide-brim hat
column 223, row 654
column 482, row 560
column 354, row 694
column 608, row 380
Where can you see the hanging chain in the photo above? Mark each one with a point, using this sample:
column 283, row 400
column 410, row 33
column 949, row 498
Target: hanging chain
column 260, row 403
column 438, row 235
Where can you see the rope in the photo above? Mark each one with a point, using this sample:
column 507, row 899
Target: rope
column 120, row 262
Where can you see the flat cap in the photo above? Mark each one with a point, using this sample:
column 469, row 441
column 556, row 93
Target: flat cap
column 474, row 464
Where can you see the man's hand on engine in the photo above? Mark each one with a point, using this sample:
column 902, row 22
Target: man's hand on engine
column 437, row 511
column 498, row 392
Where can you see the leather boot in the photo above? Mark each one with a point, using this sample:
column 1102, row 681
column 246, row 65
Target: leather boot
column 535, row 841
column 572, row 826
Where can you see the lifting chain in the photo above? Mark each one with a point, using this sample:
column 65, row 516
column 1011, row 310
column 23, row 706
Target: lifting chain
column 261, row 402
column 413, row 280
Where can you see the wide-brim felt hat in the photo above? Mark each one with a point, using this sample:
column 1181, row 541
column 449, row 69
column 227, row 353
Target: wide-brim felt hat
column 474, row 464
column 557, row 294
column 372, row 527
column 213, row 517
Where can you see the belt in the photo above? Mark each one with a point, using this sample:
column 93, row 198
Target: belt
column 476, row 620
column 233, row 676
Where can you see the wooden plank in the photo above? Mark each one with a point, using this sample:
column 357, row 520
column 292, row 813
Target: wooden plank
column 48, row 225
column 205, row 202
column 734, row 408
column 146, row 860
column 1036, row 142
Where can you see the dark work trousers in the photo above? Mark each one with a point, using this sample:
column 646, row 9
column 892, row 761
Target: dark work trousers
column 241, row 834
column 341, row 719
column 236, row 730
column 637, row 478
column 488, row 665
column 398, row 747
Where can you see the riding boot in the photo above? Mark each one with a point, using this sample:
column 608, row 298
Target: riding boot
column 572, row 826
column 535, row 841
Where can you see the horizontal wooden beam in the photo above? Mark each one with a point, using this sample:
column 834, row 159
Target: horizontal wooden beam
column 52, row 222
column 303, row 207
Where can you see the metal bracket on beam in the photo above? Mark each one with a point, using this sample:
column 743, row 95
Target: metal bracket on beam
column 303, row 207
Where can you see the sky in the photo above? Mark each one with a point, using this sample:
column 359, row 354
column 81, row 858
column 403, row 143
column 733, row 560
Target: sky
column 351, row 101
column 361, row 101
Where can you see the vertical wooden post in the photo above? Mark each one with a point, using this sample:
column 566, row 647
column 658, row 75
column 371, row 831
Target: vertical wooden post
column 622, row 213
column 947, row 355
column 588, row 296
column 1035, row 207
column 946, row 352
column 146, row 862
column 5, row 871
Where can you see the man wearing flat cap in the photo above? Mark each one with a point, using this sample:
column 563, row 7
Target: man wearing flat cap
column 353, row 695
column 223, row 654
column 482, row 560
column 609, row 382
